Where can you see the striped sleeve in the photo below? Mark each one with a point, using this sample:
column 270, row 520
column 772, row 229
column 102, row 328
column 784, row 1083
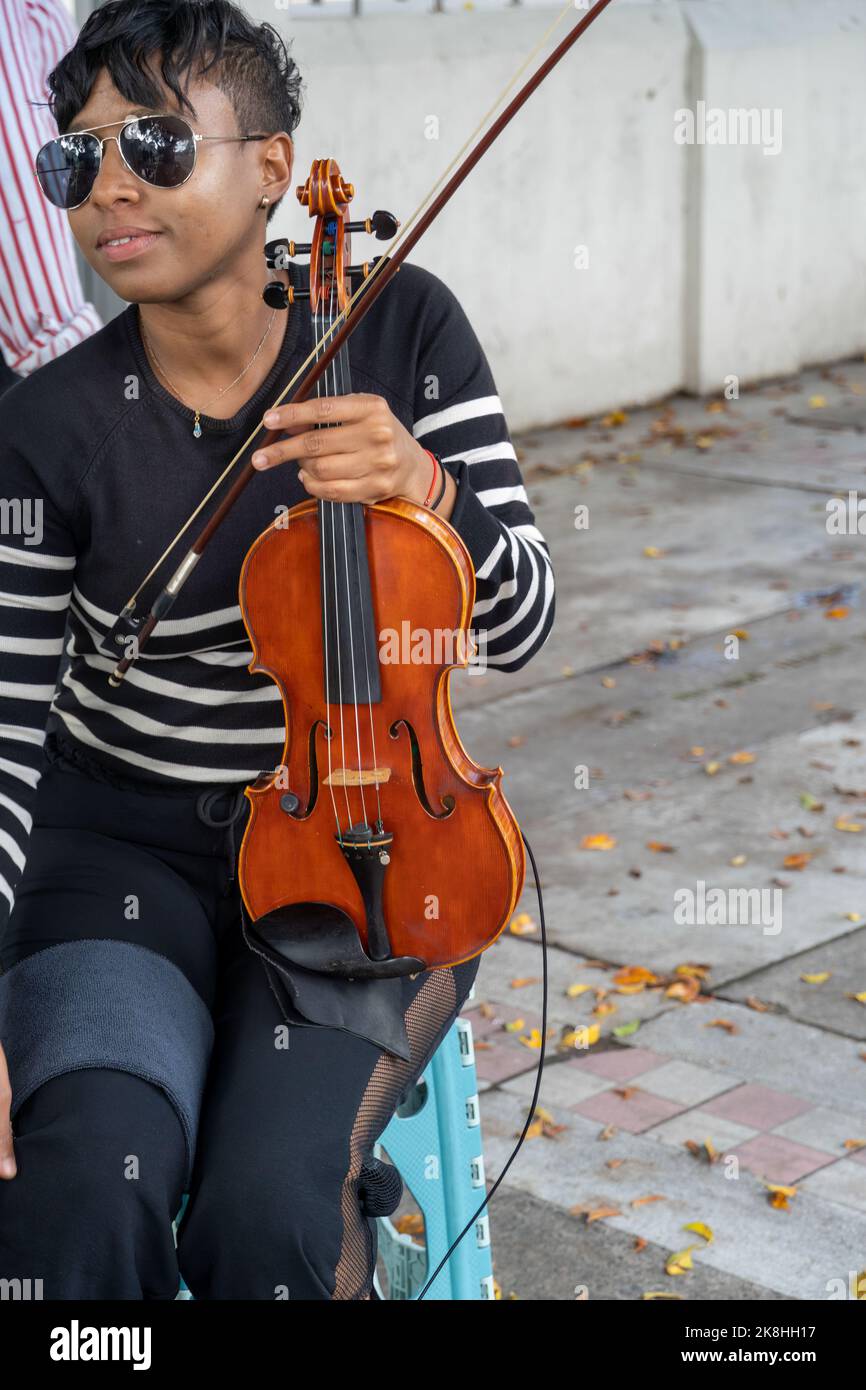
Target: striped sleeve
column 459, row 417
column 43, row 311
column 37, row 562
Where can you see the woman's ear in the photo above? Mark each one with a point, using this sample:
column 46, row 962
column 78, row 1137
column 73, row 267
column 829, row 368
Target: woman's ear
column 276, row 168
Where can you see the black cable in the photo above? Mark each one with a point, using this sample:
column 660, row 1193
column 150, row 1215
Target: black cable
column 471, row 1222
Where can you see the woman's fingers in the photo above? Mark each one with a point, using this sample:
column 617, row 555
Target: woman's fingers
column 345, row 441
column 8, row 1166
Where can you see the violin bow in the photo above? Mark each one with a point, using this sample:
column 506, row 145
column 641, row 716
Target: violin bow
column 132, row 632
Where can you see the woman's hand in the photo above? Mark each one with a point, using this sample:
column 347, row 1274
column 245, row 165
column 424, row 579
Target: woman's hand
column 368, row 457
column 8, row 1167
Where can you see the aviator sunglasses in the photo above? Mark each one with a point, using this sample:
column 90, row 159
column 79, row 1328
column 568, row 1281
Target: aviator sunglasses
column 159, row 150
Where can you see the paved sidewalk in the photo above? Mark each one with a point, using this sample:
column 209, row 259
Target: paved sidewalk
column 737, row 763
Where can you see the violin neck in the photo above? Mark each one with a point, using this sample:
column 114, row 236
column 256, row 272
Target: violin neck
column 348, row 628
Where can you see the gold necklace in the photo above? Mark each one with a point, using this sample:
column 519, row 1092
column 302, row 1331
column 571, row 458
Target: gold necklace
column 197, row 430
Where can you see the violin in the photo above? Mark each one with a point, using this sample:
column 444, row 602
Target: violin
column 378, row 847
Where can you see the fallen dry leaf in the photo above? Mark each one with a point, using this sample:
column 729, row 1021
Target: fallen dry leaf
column 599, row 841
column 681, row 1261
column 796, row 861
column 601, row 1214
column 700, row 1230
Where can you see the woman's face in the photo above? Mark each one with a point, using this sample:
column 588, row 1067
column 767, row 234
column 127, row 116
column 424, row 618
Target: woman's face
column 210, row 230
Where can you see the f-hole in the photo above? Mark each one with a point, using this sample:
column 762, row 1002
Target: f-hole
column 314, row 768
column 418, row 772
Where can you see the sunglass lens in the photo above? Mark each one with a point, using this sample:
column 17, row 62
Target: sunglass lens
column 160, row 150
column 67, row 169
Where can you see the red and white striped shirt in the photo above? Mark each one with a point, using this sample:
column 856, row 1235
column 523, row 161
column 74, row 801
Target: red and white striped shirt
column 43, row 311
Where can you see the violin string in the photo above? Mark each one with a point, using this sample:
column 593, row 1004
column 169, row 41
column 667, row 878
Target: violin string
column 326, row 627
column 377, row 269
column 342, row 507
column 328, row 512
column 358, row 520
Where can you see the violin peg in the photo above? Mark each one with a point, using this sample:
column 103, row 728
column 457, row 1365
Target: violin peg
column 383, row 225
column 279, row 252
column 276, row 295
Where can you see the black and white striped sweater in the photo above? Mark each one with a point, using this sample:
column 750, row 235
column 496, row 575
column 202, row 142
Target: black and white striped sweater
column 98, row 470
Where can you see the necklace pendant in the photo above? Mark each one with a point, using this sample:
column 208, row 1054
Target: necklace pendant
column 197, row 427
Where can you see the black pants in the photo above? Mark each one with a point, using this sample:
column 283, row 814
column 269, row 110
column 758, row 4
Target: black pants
column 277, row 1203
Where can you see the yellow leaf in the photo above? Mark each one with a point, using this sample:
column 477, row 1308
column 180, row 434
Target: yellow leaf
column 574, row 990
column 711, row 769
column 742, row 633
column 659, row 847
column 652, row 552
column 853, row 916
column 817, row 402
column 837, row 612
column 616, row 417
column 681, row 1261
column 608, row 682
column 704, row 441
column 658, row 1294
column 534, row 1039
column 599, row 841
column 697, row 751
column 843, row 823
column 738, row 860
column 816, row 979
column 741, row 757
column 524, row 980
column 515, row 1025
column 700, row 1230
column 521, row 925
column 587, row 1035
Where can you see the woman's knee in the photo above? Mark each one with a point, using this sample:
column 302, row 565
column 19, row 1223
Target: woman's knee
column 101, row 1161
column 267, row 1229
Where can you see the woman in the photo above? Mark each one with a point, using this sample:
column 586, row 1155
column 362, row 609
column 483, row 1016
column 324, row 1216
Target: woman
column 151, row 1051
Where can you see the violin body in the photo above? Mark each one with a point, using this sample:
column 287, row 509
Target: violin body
column 456, row 862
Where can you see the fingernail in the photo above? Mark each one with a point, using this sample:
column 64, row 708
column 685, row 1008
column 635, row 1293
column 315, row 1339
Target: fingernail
column 7, row 1167
column 258, row 460
column 272, row 418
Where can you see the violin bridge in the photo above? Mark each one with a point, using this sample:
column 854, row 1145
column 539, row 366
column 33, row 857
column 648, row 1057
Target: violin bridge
column 350, row 777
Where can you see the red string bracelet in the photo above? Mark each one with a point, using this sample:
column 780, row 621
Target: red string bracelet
column 436, row 467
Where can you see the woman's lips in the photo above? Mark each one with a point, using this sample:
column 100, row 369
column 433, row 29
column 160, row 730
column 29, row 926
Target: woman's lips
column 128, row 244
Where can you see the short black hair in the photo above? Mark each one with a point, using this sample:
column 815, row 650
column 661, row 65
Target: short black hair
column 249, row 62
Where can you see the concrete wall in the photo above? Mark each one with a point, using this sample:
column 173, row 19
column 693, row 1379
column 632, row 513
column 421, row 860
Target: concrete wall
column 704, row 260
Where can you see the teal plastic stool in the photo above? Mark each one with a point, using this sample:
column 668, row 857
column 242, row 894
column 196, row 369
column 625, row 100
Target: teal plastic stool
column 434, row 1140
